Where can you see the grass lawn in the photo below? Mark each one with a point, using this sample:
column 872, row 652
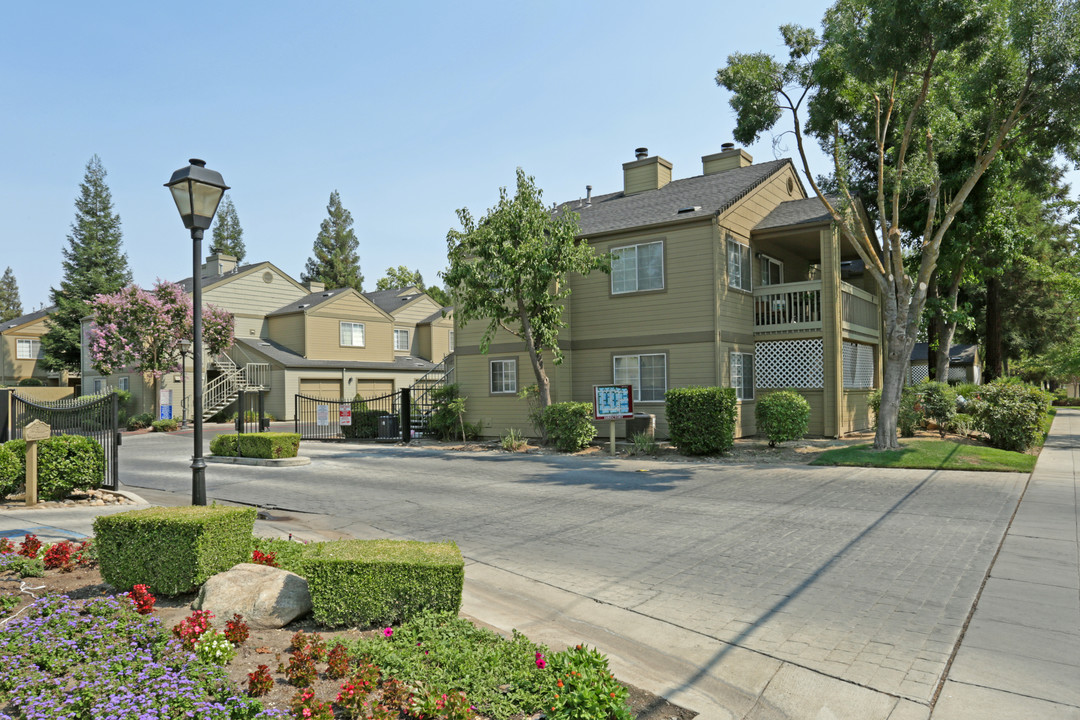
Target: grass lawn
column 930, row 454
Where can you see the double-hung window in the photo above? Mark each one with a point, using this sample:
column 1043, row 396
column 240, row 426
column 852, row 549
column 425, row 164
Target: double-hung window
column 451, row 341
column 503, row 376
column 352, row 334
column 401, row 339
column 646, row 373
column 635, row 268
column 125, row 383
column 28, row 349
column 742, row 375
column 738, row 265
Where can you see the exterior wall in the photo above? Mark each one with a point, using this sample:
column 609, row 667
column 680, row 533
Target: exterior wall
column 434, row 339
column 12, row 369
column 250, row 297
column 45, row 394
column 856, row 415
column 288, row 330
column 816, row 426
column 323, row 331
column 286, row 384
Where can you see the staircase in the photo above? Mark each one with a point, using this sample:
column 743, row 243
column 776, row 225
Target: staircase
column 226, row 387
column 423, row 403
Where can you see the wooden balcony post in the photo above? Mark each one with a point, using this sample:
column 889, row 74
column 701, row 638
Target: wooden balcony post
column 831, row 332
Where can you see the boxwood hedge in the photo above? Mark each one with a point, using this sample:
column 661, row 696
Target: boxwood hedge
column 701, row 420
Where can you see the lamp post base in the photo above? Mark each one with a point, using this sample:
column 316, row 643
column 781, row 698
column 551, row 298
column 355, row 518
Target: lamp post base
column 198, row 481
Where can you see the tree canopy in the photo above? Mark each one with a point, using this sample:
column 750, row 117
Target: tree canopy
column 334, row 260
column 10, row 303
column 510, row 269
column 895, row 84
column 94, row 263
column 403, row 277
column 228, row 236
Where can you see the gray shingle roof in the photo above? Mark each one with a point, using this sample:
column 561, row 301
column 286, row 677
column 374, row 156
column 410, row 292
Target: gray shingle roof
column 188, row 287
column 281, row 354
column 438, row 314
column 711, row 194
column 388, row 300
column 27, row 318
column 309, row 300
column 958, row 354
column 796, row 212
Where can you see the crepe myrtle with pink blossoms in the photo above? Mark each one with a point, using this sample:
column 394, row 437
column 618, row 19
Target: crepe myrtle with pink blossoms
column 140, row 330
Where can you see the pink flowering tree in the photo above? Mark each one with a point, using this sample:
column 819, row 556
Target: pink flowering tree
column 141, row 330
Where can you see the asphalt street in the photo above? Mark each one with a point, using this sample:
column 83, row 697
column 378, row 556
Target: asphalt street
column 861, row 575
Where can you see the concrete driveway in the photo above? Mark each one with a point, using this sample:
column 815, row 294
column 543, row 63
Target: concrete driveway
column 735, row 579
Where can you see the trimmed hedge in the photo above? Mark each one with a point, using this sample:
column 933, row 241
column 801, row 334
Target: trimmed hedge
column 169, row 425
column 569, row 425
column 381, row 582
column 65, row 463
column 12, row 472
column 265, row 445
column 172, row 550
column 701, row 420
column 783, row 415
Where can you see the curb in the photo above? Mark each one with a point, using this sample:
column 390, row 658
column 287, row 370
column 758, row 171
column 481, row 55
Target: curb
column 260, row 462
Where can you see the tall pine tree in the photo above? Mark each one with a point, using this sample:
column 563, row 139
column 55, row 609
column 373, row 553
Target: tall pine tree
column 10, row 304
column 335, row 261
column 93, row 264
column 228, row 236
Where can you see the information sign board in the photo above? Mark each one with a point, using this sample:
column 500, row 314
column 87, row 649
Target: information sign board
column 345, row 415
column 613, row 402
column 322, row 415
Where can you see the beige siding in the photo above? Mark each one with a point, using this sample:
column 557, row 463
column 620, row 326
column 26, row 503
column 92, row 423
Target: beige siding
column 414, row 312
column 856, row 411
column 816, row 426
column 288, row 330
column 12, row 369
column 249, row 294
column 45, row 394
column 434, row 339
column 323, row 331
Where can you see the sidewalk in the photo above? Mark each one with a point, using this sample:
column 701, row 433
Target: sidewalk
column 1019, row 658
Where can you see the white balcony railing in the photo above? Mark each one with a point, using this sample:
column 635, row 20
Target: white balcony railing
column 795, row 307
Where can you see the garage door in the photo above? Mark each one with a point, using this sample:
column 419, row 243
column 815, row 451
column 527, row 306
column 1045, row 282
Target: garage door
column 368, row 389
column 326, row 389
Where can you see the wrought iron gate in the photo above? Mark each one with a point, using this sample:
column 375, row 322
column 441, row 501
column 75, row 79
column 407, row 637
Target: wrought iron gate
column 385, row 418
column 96, row 418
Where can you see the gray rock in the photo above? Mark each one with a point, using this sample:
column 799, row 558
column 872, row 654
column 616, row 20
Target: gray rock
column 267, row 597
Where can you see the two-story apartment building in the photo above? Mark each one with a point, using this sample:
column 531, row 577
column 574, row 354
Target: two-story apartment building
column 20, row 349
column 732, row 277
column 294, row 338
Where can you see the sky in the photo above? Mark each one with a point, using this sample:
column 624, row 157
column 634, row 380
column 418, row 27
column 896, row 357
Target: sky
column 409, row 110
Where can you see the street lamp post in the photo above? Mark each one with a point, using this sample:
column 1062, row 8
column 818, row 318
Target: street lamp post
column 185, row 348
column 197, row 192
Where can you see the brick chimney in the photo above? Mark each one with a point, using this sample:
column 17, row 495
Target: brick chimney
column 729, row 158
column 645, row 173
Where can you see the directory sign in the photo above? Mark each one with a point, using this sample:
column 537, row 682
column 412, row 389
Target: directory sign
column 613, row 402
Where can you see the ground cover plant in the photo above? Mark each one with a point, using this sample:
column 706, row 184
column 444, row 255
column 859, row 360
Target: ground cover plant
column 930, row 454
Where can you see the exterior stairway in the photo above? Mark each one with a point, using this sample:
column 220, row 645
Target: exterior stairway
column 421, row 394
column 226, row 387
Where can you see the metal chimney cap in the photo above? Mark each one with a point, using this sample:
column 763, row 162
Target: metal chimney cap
column 641, row 153
column 727, row 146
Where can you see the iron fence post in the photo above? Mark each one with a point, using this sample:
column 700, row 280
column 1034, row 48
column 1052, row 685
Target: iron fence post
column 406, row 415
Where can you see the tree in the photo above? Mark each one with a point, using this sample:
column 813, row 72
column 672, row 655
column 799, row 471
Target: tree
column 402, row 277
column 141, row 331
column 334, row 261
column 228, row 236
column 93, row 264
column 510, row 270
column 895, row 83
column 10, row 304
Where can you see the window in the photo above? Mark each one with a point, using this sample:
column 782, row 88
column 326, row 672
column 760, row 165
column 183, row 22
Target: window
column 738, row 265
column 125, row 383
column 742, row 375
column 352, row 334
column 401, row 339
column 451, row 341
column 28, row 349
column 637, row 267
column 503, row 376
column 99, row 385
column 646, row 373
column 772, row 271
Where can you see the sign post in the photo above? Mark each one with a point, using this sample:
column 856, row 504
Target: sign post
column 611, row 403
column 34, row 431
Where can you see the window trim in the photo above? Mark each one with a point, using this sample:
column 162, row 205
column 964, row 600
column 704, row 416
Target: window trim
column 363, row 333
column 35, row 349
column 748, row 281
column 612, row 292
column 408, row 346
column 763, row 260
column 740, row 388
column 503, row 361
column 639, row 355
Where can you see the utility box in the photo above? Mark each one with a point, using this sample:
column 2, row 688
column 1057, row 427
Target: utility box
column 388, row 428
column 641, row 423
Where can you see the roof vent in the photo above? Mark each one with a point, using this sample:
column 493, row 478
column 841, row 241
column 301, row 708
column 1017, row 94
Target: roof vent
column 303, row 305
column 692, row 208
column 588, row 195
column 727, row 146
column 329, row 294
column 641, row 153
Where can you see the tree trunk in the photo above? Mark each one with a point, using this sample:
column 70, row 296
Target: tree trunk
column 993, row 363
column 543, row 385
column 947, row 329
column 933, row 331
column 892, row 387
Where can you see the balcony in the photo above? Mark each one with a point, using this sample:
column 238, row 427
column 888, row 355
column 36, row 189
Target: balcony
column 797, row 307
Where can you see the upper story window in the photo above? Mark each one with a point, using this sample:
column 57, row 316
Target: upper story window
column 635, row 268
column 772, row 270
column 503, row 376
column 738, row 265
column 125, row 383
column 401, row 339
column 28, row 349
column 451, row 341
column 646, row 373
column 352, row 334
column 742, row 375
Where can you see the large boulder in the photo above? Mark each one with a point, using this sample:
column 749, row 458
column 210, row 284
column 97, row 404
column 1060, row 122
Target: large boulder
column 267, row 597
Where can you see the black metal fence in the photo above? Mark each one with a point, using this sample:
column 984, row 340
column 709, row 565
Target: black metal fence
column 251, row 412
column 385, row 418
column 96, row 418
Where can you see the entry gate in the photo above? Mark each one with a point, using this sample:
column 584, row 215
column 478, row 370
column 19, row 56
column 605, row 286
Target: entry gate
column 385, row 418
column 96, row 418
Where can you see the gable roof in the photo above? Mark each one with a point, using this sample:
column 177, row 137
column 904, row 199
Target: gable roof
column 391, row 300
column 27, row 318
column 958, row 354
column 286, row 357
column 702, row 196
column 309, row 301
column 809, row 211
column 437, row 315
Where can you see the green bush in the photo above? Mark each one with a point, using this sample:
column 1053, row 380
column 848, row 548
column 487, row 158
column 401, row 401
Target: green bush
column 365, row 422
column 140, row 421
column 31, row 382
column 783, row 416
column 961, row 424
column 165, row 425
column 910, row 416
column 701, row 420
column 569, row 425
column 12, row 472
column 65, row 463
column 445, row 421
column 938, row 403
column 1011, row 414
column 375, row 582
column 172, row 550
column 266, row 445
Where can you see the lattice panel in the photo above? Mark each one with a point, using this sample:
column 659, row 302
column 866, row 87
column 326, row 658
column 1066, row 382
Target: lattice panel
column 858, row 365
column 958, row 374
column 919, row 373
column 790, row 364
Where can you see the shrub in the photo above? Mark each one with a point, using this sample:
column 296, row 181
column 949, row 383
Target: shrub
column 31, row 382
column 12, row 472
column 266, row 445
column 512, row 440
column 582, row 686
column 701, row 420
column 447, row 416
column 961, row 424
column 783, row 416
column 569, row 425
column 365, row 422
column 169, row 425
column 938, row 403
column 365, row 582
column 66, row 463
column 172, row 550
column 910, row 415
column 140, row 421
column 1011, row 414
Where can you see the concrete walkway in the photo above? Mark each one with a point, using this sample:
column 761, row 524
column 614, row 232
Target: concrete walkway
column 1019, row 656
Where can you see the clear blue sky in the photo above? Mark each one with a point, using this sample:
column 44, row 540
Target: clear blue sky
column 409, row 110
